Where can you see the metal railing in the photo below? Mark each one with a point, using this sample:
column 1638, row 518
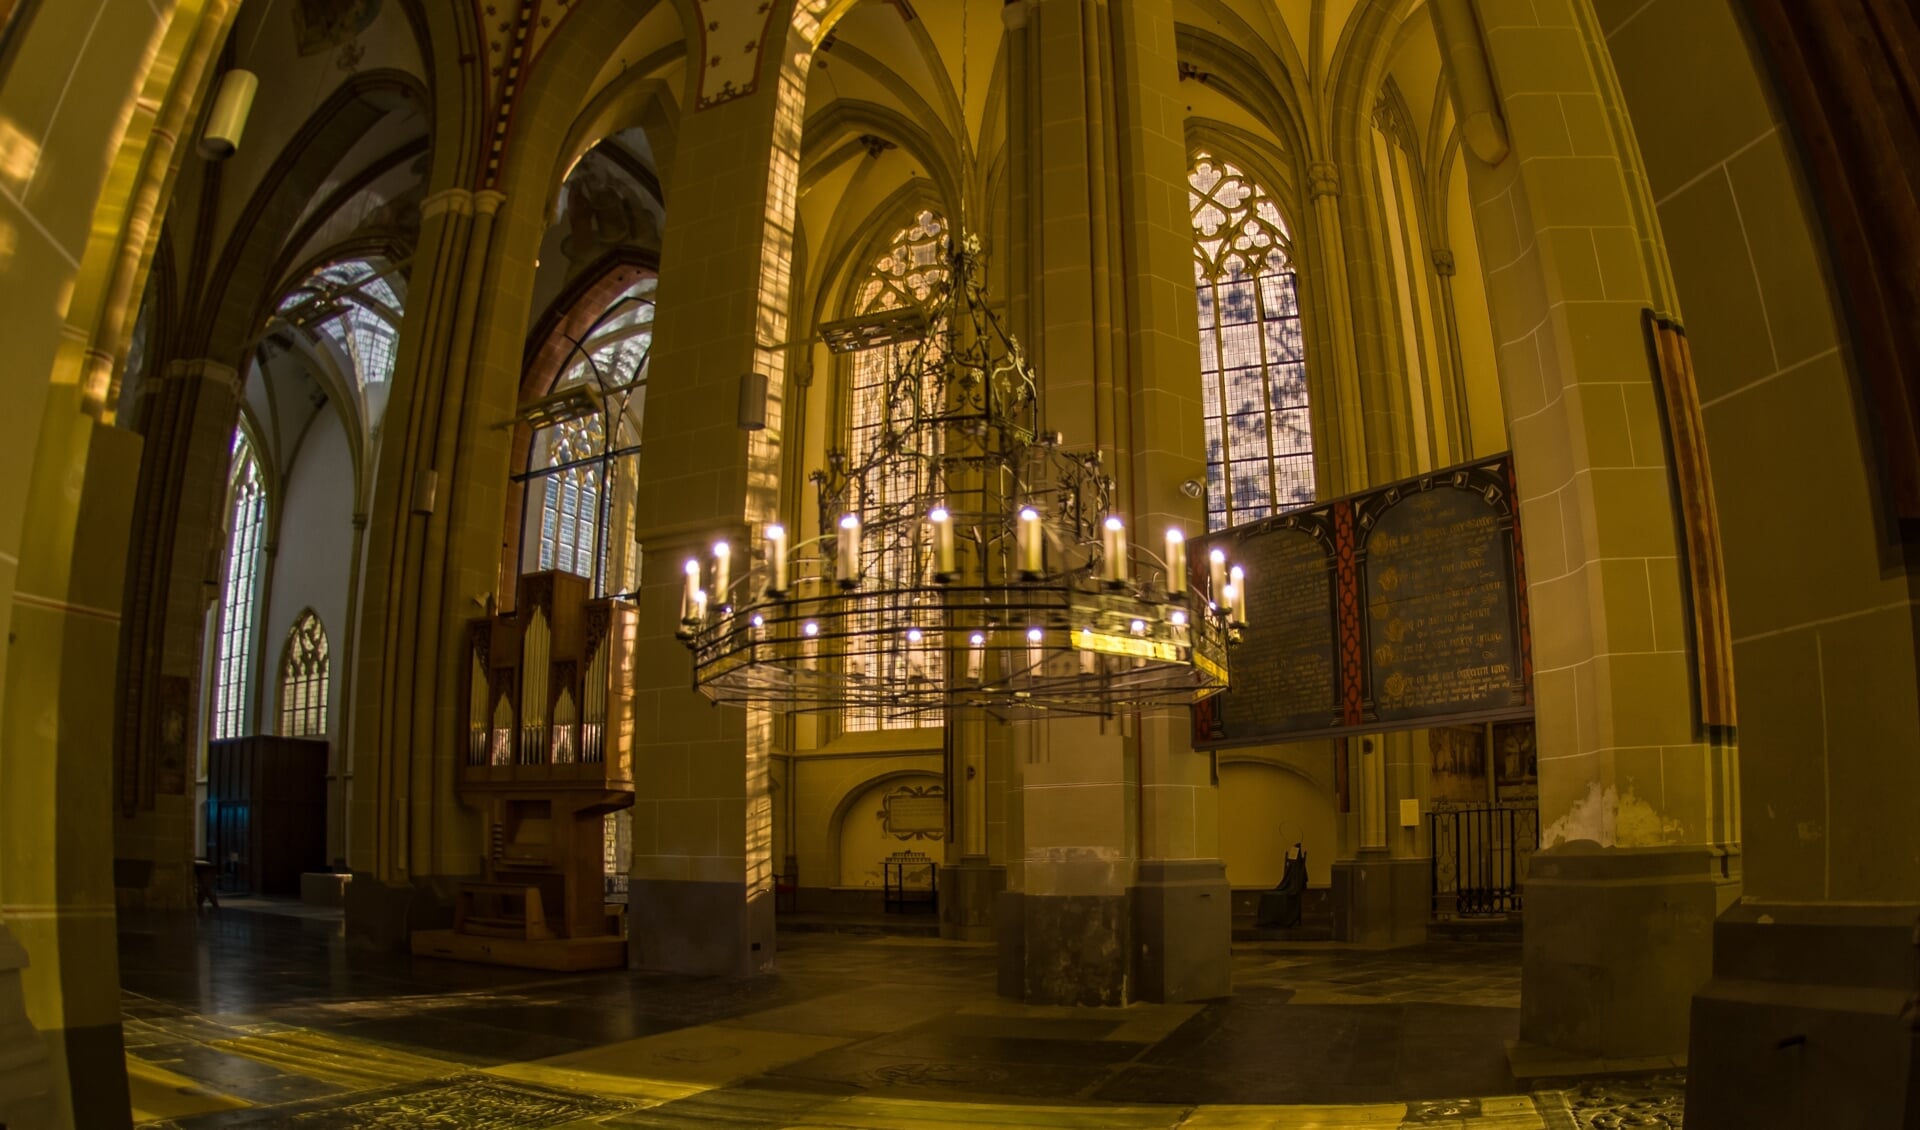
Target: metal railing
column 1480, row 858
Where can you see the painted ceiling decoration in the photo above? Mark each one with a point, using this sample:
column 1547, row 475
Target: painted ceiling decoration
column 516, row 31
column 732, row 33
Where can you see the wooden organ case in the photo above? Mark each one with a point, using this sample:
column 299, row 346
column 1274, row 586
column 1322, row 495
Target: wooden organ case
column 546, row 754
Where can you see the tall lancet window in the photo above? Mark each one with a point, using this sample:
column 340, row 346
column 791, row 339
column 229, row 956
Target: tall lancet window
column 303, row 680
column 239, row 594
column 904, row 275
column 582, row 481
column 1252, row 359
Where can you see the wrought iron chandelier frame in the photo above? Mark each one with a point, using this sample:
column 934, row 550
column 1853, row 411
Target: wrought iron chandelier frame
column 969, row 561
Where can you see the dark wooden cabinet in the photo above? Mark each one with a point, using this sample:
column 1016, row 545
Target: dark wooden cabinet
column 266, row 812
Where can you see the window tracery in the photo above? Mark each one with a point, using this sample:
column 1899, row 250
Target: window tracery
column 584, row 497
column 1252, row 354
column 239, row 593
column 905, row 274
column 303, row 679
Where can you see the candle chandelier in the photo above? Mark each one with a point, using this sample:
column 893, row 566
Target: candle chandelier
column 967, row 558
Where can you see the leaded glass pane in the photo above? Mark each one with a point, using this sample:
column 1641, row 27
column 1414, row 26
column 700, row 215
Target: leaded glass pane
column 1252, row 356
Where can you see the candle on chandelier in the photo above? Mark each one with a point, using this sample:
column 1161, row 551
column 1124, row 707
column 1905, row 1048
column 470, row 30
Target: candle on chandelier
column 849, row 551
column 1217, row 574
column 1036, row 655
column 1089, row 658
column 1237, row 602
column 689, row 612
column 1176, row 561
column 700, row 605
column 916, row 659
column 810, row 646
column 1030, row 542
column 777, row 559
column 943, row 555
column 1113, row 544
column 976, row 656
column 722, row 570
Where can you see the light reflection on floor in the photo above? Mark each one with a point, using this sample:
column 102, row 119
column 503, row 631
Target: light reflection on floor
column 258, row 1020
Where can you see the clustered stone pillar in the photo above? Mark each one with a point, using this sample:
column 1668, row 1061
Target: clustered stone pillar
column 1115, row 886
column 702, row 879
column 432, row 562
column 185, row 418
column 1636, row 834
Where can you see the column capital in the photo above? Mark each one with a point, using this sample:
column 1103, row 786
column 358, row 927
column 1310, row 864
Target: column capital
column 1443, row 262
column 1323, row 179
column 456, row 200
column 487, row 201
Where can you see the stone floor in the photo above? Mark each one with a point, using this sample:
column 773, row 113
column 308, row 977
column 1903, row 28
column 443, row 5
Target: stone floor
column 247, row 1017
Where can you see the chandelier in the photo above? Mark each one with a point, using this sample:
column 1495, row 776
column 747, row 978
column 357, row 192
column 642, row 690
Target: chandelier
column 968, row 559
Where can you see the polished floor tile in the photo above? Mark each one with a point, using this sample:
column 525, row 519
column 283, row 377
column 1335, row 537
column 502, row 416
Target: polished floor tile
column 252, row 1018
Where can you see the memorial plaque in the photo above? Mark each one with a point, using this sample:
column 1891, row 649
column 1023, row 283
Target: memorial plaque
column 1420, row 620
column 1284, row 666
column 1439, row 608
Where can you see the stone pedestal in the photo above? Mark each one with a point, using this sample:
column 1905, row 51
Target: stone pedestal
column 1808, row 1020
column 1182, row 930
column 969, row 893
column 26, row 1086
column 1617, row 941
column 704, row 929
column 383, row 916
column 1382, row 901
column 1064, row 949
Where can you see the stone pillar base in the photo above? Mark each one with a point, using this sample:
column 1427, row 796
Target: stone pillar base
column 383, row 916
column 1064, row 949
column 1617, row 941
column 26, row 1080
column 706, row 929
column 968, row 894
column 1382, row 901
column 1808, row 1020
column 1182, row 930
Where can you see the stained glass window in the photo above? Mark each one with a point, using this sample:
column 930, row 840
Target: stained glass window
column 1252, row 357
column 303, row 680
column 580, row 511
column 903, row 275
column 239, row 594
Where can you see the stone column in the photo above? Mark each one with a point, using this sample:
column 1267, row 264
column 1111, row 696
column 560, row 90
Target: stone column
column 1350, row 468
column 970, row 882
column 432, row 561
column 1636, row 834
column 56, row 843
column 702, row 891
column 1461, row 417
column 1116, row 889
column 186, row 419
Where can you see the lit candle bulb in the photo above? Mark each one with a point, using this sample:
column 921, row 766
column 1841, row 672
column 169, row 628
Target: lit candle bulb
column 1217, row 574
column 1237, row 602
column 943, row 555
column 777, row 559
column 976, row 656
column 1176, row 561
column 849, row 550
column 1113, row 544
column 1030, row 543
column 722, row 573
column 1178, row 617
column 688, row 610
column 916, row 661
